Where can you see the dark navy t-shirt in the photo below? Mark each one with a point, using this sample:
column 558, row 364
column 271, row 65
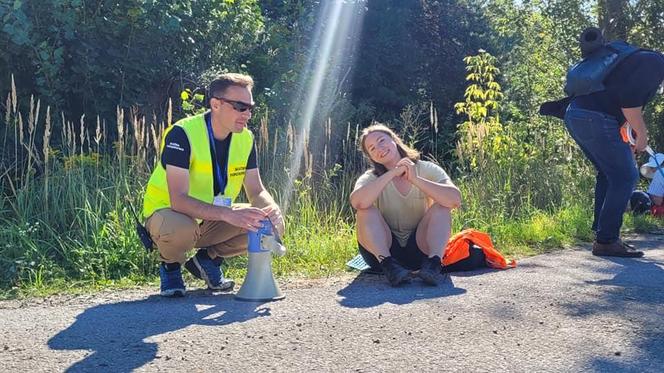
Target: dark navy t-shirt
column 631, row 84
column 177, row 152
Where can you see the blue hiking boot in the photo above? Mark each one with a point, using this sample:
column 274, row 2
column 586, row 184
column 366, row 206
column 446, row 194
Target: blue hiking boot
column 172, row 284
column 208, row 270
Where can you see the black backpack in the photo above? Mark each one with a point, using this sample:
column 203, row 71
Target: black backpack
column 476, row 259
column 587, row 76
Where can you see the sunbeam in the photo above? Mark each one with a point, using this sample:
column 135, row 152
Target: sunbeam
column 330, row 55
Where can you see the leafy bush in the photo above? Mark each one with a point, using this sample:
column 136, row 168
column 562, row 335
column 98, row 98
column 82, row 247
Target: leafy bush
column 89, row 56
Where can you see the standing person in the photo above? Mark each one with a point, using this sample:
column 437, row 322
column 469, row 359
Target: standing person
column 403, row 208
column 205, row 161
column 608, row 88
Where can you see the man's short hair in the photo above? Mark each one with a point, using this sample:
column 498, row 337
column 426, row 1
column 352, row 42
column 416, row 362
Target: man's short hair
column 222, row 82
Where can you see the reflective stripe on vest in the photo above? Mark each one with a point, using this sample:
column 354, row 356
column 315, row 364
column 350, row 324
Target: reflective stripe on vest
column 201, row 179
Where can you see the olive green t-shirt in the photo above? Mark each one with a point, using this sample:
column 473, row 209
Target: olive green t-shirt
column 403, row 213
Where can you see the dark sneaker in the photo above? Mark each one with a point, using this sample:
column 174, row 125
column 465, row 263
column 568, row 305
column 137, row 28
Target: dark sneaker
column 431, row 271
column 617, row 248
column 171, row 282
column 395, row 273
column 208, row 270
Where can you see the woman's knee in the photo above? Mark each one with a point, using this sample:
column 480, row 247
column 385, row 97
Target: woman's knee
column 368, row 213
column 438, row 210
column 371, row 226
column 436, row 218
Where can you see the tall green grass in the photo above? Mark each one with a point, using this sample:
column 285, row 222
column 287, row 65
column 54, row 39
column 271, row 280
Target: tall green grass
column 67, row 188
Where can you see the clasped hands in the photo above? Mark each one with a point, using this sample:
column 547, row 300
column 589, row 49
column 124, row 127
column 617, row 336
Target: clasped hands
column 405, row 169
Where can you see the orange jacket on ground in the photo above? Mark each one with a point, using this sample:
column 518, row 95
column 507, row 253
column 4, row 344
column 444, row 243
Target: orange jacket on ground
column 458, row 249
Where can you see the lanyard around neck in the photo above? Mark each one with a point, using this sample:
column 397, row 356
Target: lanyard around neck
column 215, row 164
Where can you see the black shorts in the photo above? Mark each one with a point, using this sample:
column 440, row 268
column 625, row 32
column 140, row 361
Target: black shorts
column 410, row 256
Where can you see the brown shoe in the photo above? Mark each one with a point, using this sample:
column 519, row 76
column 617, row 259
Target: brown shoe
column 617, row 248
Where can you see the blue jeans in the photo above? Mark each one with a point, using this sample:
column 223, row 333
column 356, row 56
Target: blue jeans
column 598, row 135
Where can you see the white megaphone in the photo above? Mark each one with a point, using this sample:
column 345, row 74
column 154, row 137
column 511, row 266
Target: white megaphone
column 259, row 283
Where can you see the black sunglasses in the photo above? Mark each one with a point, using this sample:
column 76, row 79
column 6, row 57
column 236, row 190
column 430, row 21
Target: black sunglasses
column 238, row 106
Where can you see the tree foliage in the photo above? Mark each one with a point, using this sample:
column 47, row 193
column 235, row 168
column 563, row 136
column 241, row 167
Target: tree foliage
column 480, row 135
column 89, row 56
column 412, row 51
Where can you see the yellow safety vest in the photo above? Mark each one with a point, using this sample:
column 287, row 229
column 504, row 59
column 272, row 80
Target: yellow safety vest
column 201, row 172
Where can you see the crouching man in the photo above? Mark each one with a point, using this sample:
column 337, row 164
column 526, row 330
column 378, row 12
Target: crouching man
column 205, row 161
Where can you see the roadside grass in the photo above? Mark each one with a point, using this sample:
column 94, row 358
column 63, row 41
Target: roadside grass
column 643, row 224
column 319, row 244
column 80, row 238
column 67, row 226
column 319, row 241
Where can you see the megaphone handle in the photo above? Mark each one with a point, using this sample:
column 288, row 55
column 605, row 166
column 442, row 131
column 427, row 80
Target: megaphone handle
column 649, row 150
column 275, row 232
column 628, row 136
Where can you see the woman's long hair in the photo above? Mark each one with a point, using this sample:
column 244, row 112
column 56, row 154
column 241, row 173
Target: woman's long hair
column 405, row 151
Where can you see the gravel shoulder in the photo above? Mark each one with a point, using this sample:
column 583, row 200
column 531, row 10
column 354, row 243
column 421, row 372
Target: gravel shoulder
column 563, row 311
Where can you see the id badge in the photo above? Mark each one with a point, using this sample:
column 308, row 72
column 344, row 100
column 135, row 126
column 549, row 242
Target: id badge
column 222, row 201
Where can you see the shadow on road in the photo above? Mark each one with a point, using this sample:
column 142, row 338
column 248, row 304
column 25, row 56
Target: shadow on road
column 369, row 290
column 635, row 293
column 473, row 273
column 115, row 333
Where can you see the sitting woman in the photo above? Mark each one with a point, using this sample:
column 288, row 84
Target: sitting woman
column 403, row 209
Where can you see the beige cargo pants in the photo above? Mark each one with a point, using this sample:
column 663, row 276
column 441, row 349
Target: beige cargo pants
column 174, row 234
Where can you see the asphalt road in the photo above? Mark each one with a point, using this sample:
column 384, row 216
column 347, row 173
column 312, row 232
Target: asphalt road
column 564, row 311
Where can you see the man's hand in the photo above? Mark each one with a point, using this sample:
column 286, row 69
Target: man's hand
column 409, row 166
column 249, row 218
column 274, row 213
column 641, row 142
column 634, row 117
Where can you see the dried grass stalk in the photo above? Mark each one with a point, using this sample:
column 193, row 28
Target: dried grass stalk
column 14, row 99
column 289, row 136
column 155, row 139
column 82, row 133
column 47, row 136
column 8, row 105
column 98, row 133
column 275, row 142
column 169, row 116
column 20, row 129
